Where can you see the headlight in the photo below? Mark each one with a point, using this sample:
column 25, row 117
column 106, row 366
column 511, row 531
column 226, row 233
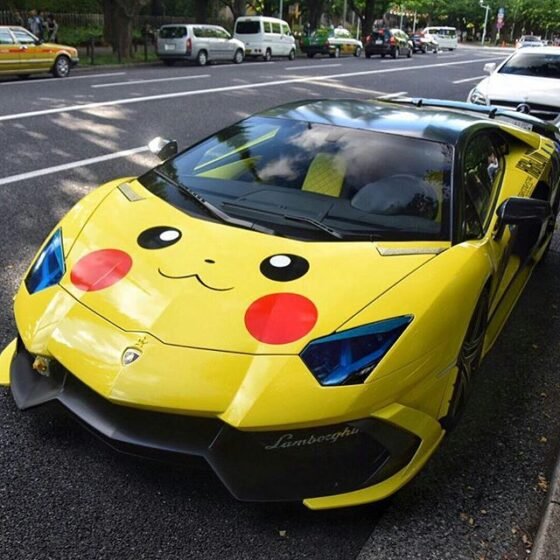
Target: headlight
column 348, row 357
column 48, row 269
column 478, row 97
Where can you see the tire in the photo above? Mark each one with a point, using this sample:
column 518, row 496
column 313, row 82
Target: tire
column 357, row 52
column 169, row 62
column 396, row 53
column 61, row 67
column 267, row 55
column 424, row 51
column 202, row 58
column 292, row 55
column 468, row 363
column 238, row 56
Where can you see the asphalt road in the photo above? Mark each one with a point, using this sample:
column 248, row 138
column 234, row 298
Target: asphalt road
column 65, row 495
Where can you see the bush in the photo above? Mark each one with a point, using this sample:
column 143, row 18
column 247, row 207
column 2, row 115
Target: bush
column 75, row 36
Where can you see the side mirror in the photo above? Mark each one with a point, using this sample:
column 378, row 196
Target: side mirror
column 489, row 67
column 163, row 148
column 519, row 210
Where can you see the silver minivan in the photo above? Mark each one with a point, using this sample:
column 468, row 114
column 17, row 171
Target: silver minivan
column 202, row 43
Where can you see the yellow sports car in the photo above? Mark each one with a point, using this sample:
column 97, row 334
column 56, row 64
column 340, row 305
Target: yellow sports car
column 22, row 53
column 302, row 299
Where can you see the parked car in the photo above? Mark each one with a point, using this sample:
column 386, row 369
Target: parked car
column 199, row 43
column 528, row 41
column 265, row 37
column 423, row 42
column 322, row 362
column 445, row 36
column 22, row 54
column 527, row 81
column 334, row 42
column 392, row 42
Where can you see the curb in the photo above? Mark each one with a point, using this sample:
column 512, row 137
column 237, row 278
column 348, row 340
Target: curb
column 547, row 542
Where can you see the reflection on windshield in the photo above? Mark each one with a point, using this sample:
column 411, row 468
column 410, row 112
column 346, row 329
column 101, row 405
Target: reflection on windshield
column 533, row 64
column 355, row 181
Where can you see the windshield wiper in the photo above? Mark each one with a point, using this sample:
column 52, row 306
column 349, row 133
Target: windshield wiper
column 344, row 235
column 214, row 210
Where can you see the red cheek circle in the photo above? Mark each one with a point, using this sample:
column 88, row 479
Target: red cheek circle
column 280, row 318
column 100, row 269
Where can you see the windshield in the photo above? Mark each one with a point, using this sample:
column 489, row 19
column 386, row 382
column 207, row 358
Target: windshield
column 248, row 27
column 300, row 179
column 542, row 65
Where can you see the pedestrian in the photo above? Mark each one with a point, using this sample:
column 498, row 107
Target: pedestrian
column 42, row 25
column 52, row 29
column 33, row 23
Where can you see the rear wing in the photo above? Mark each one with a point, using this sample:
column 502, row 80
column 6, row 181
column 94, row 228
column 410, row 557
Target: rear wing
column 522, row 120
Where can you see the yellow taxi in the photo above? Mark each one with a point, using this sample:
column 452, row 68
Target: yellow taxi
column 22, row 53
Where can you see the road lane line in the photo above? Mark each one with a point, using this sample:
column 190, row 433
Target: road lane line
column 63, row 80
column 72, row 165
column 313, row 66
column 133, row 82
column 257, row 85
column 468, row 80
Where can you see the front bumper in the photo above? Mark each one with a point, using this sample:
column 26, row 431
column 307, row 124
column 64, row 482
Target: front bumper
column 312, row 464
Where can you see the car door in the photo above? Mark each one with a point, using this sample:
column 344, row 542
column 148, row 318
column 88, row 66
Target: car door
column 9, row 53
column 224, row 44
column 286, row 40
column 33, row 55
column 483, row 170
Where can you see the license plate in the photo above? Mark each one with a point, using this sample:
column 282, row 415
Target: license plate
column 379, row 42
column 169, row 47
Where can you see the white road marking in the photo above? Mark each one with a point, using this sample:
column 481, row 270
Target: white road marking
column 468, row 80
column 313, row 66
column 61, row 80
column 396, row 94
column 134, row 82
column 72, row 165
column 127, row 101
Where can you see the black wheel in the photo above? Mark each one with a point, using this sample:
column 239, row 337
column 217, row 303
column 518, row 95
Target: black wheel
column 358, row 51
column 396, row 53
column 424, row 50
column 468, row 363
column 238, row 56
column 61, row 67
column 268, row 55
column 202, row 58
column 292, row 54
column 169, row 62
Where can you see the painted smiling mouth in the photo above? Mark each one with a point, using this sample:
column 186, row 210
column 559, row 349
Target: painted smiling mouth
column 199, row 279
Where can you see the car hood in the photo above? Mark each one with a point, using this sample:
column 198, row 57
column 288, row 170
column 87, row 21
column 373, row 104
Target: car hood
column 213, row 288
column 508, row 87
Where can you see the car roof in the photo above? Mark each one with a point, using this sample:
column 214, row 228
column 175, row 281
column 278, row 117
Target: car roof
column 436, row 124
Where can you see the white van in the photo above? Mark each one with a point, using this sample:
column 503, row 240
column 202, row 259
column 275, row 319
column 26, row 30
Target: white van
column 445, row 36
column 265, row 37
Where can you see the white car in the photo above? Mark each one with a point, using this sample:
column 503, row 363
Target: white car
column 529, row 41
column 528, row 81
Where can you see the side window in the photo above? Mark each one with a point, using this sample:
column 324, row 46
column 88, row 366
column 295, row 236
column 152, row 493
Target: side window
column 276, row 28
column 5, row 37
column 23, row 38
column 483, row 169
column 221, row 33
column 267, row 27
column 285, row 29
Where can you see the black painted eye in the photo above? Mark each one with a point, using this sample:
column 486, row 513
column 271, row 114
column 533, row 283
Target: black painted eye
column 284, row 268
column 159, row 237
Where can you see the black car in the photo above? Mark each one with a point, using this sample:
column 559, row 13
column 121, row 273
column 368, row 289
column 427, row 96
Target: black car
column 423, row 43
column 393, row 42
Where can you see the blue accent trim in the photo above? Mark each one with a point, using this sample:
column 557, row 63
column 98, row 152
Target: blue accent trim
column 48, row 268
